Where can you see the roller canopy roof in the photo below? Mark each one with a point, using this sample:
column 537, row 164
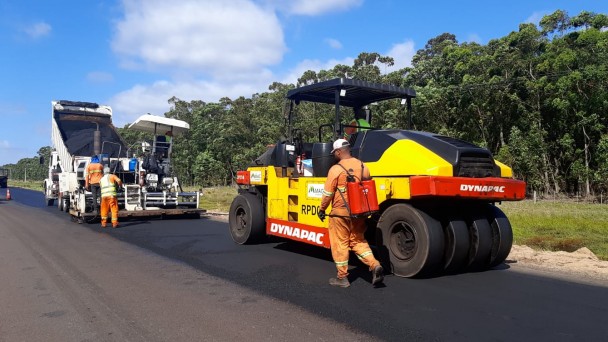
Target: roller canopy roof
column 160, row 125
column 358, row 93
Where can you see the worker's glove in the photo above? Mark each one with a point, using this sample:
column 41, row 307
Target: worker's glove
column 321, row 214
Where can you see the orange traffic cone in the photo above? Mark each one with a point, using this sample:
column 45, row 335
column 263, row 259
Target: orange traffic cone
column 8, row 194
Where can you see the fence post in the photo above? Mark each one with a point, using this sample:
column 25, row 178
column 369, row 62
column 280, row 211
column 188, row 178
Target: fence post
column 534, row 196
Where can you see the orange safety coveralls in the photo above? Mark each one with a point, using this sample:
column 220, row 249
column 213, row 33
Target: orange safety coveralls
column 94, row 174
column 345, row 233
column 108, row 199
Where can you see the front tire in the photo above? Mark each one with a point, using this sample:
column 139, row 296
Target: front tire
column 457, row 245
column 481, row 242
column 246, row 219
column 413, row 240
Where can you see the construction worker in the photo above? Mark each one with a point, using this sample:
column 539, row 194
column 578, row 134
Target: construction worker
column 91, row 181
column 109, row 182
column 346, row 233
column 358, row 124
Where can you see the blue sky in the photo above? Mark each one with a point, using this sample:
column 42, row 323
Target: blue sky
column 135, row 54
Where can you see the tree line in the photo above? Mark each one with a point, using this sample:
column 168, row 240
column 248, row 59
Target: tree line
column 537, row 98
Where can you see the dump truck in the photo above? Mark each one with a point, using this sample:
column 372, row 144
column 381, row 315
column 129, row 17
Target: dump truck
column 81, row 130
column 4, row 178
column 437, row 196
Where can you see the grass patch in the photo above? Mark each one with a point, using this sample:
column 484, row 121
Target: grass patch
column 32, row 185
column 217, row 198
column 561, row 225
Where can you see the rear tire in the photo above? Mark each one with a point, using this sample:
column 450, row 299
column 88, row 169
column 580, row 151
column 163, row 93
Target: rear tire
column 502, row 236
column 481, row 243
column 412, row 239
column 60, row 202
column 246, row 219
column 457, row 245
column 49, row 202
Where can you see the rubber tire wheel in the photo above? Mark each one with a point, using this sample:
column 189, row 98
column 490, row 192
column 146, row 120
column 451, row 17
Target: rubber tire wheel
column 66, row 205
column 502, row 236
column 246, row 219
column 481, row 243
column 412, row 240
column 457, row 245
column 49, row 201
column 60, row 203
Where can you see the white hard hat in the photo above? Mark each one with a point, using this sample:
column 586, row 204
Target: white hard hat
column 338, row 144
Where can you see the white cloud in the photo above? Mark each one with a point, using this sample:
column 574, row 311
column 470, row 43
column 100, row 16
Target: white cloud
column 4, row 144
column 38, row 30
column 318, row 7
column 99, row 77
column 474, row 38
column 535, row 17
column 209, row 38
column 402, row 53
column 141, row 99
column 333, row 43
column 314, row 65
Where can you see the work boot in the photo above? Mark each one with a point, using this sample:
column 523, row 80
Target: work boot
column 377, row 275
column 103, row 225
column 114, row 225
column 341, row 282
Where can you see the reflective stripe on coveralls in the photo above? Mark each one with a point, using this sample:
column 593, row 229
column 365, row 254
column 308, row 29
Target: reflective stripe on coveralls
column 327, row 193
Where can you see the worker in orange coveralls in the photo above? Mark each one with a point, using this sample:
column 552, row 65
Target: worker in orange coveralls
column 91, row 181
column 346, row 233
column 108, row 197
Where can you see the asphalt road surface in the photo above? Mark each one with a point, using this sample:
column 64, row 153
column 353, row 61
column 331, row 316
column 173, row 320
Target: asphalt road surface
column 185, row 280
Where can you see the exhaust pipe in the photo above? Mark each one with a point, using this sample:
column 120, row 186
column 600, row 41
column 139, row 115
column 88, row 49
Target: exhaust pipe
column 97, row 141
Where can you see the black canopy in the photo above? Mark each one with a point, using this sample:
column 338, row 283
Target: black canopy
column 357, row 93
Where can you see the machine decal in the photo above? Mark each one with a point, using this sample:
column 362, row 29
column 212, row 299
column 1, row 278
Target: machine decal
column 314, row 190
column 242, row 177
column 308, row 209
column 482, row 188
column 255, row 176
column 299, row 232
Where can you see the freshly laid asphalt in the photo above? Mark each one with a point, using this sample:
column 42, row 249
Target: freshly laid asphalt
column 503, row 304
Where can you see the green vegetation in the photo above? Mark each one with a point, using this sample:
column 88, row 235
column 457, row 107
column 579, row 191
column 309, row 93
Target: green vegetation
column 562, row 225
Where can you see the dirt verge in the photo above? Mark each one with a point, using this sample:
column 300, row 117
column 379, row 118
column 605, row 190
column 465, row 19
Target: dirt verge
column 579, row 264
